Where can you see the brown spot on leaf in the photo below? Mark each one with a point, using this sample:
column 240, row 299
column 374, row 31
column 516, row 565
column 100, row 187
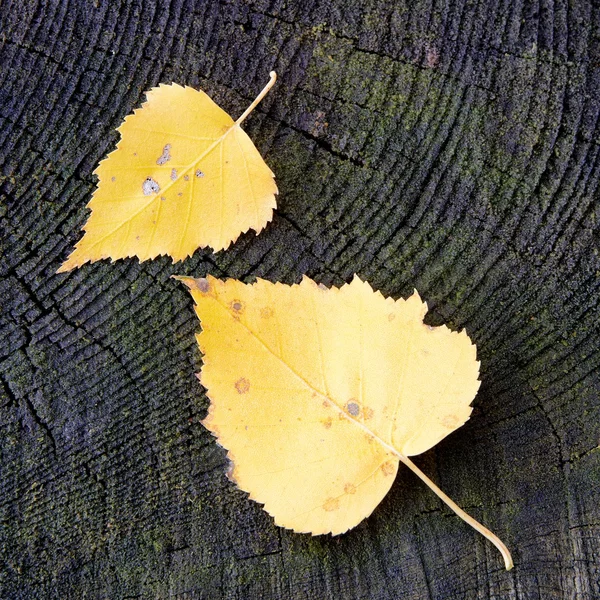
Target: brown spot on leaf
column 367, row 413
column 391, row 317
column 242, row 385
column 113, row 178
column 237, row 306
column 388, row 468
column 266, row 312
column 186, row 177
column 173, row 174
column 331, row 504
column 450, row 421
column 350, row 488
column 327, row 423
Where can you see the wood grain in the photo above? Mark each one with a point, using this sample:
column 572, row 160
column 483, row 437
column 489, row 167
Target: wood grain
column 451, row 147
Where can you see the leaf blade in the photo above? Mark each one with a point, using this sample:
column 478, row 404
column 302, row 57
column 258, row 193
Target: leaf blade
column 233, row 320
column 159, row 191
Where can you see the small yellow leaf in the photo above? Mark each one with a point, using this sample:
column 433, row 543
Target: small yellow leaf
column 184, row 175
column 318, row 394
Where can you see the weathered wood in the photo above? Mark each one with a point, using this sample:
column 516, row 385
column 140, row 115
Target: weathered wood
column 449, row 147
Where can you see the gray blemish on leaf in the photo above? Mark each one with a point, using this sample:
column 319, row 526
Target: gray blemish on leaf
column 199, row 173
column 149, row 186
column 186, row 177
column 173, row 174
column 353, row 408
column 165, row 156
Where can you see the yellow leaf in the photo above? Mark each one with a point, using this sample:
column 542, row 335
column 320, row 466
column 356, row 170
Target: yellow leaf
column 184, row 175
column 318, row 394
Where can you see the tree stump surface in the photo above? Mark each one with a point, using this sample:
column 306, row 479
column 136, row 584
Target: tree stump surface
column 448, row 147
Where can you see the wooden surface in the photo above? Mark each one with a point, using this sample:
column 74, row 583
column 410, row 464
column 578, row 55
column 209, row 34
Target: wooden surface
column 452, row 147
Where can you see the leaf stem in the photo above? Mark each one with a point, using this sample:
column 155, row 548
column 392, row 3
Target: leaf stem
column 460, row 512
column 263, row 93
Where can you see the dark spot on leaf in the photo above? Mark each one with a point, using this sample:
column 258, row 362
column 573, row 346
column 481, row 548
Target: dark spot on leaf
column 113, row 178
column 242, row 385
column 353, row 408
column 149, row 186
column 165, row 156
column 203, row 285
column 327, row 423
column 186, row 177
column 237, row 305
column 199, row 173
column 173, row 174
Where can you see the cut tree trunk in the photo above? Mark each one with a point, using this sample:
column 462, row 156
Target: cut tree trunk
column 453, row 148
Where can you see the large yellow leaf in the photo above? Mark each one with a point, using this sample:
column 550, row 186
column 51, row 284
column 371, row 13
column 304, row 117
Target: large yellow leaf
column 318, row 394
column 184, row 175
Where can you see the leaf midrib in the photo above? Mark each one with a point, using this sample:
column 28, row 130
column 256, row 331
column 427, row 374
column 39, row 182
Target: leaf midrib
column 342, row 412
column 167, row 187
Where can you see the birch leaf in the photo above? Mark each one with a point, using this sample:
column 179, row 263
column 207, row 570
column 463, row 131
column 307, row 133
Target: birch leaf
column 184, row 175
column 319, row 394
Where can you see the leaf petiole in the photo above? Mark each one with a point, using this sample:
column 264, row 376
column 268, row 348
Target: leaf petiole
column 262, row 94
column 460, row 512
